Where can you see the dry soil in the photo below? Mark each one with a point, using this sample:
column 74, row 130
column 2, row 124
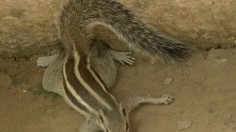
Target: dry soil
column 204, row 91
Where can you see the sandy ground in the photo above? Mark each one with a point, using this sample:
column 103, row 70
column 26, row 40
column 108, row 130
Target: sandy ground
column 204, row 91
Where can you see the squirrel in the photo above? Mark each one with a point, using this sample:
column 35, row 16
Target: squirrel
column 85, row 70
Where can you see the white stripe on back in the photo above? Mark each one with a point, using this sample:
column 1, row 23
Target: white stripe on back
column 86, row 85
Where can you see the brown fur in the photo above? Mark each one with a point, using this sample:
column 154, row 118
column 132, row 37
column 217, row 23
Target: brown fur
column 78, row 18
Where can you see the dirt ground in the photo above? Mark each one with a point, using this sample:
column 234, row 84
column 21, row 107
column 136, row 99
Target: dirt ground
column 204, row 91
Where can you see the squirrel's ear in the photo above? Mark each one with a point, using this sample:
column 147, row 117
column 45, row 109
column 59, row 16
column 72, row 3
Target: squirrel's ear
column 124, row 111
column 121, row 106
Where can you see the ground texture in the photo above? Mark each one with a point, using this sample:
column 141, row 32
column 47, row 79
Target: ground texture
column 204, row 91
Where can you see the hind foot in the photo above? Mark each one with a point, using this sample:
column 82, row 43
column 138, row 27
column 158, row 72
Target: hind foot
column 46, row 60
column 122, row 57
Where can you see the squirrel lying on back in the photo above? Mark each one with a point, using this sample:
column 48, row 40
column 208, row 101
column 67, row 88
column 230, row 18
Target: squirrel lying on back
column 84, row 72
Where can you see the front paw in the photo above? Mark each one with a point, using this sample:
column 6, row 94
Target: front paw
column 123, row 57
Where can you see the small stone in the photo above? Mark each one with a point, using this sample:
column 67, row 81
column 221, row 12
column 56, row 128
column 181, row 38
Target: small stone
column 234, row 41
column 168, row 81
column 24, row 91
column 221, row 60
column 184, row 124
column 228, row 119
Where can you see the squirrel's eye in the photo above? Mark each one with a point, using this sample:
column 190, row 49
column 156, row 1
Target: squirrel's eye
column 101, row 118
column 124, row 112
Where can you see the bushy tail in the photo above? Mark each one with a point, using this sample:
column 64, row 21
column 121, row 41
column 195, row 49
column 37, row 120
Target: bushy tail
column 114, row 15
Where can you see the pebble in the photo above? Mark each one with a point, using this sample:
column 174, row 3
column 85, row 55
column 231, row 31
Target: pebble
column 168, row 81
column 228, row 118
column 221, row 60
column 184, row 124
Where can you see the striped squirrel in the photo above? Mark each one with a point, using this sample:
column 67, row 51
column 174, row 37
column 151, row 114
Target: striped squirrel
column 85, row 70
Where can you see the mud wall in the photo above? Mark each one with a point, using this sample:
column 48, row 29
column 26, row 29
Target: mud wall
column 28, row 26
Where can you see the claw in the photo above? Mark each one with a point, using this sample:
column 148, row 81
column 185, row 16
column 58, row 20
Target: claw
column 167, row 99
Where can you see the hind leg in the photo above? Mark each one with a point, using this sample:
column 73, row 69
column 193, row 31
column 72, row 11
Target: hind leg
column 53, row 75
column 104, row 65
column 102, row 61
